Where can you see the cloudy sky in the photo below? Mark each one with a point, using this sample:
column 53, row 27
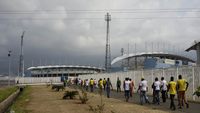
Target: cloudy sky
column 74, row 31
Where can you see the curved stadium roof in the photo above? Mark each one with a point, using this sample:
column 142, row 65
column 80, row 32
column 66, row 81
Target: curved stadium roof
column 150, row 54
column 64, row 66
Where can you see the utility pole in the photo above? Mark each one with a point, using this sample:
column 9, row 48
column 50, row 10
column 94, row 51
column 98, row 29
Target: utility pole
column 21, row 60
column 108, row 53
column 9, row 62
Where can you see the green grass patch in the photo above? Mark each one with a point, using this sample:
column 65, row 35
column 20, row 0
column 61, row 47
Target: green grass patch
column 6, row 92
column 19, row 106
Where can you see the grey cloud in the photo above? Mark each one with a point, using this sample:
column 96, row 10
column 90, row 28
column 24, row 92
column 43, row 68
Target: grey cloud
column 76, row 41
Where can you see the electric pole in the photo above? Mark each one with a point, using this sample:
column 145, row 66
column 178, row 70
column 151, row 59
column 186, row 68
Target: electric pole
column 108, row 53
column 9, row 62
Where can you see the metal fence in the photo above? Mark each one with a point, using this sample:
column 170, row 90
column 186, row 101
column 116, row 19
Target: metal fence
column 191, row 74
column 7, row 81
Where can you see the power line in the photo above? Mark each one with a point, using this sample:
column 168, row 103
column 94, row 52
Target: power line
column 134, row 18
column 100, row 11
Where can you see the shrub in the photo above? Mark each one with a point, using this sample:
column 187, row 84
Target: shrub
column 70, row 94
column 197, row 92
column 83, row 97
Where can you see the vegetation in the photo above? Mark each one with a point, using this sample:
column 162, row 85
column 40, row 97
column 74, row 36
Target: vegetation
column 197, row 92
column 58, row 87
column 83, row 97
column 98, row 108
column 6, row 92
column 70, row 94
column 20, row 103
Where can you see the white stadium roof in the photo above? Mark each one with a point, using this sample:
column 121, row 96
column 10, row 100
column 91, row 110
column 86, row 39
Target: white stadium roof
column 64, row 66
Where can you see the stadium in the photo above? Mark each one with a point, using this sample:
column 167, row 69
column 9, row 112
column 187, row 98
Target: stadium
column 62, row 70
column 151, row 60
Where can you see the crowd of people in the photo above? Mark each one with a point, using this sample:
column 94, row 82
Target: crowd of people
column 161, row 87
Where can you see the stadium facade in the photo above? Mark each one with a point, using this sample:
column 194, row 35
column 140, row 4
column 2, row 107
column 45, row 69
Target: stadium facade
column 63, row 70
column 152, row 61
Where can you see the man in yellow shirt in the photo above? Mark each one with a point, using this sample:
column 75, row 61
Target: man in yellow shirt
column 91, row 85
column 172, row 91
column 101, row 84
column 182, row 86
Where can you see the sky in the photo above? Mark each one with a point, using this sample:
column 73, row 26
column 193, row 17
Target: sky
column 73, row 32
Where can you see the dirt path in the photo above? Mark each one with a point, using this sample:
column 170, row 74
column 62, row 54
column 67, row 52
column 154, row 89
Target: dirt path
column 44, row 100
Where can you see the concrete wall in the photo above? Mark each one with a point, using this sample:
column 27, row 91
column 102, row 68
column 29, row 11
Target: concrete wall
column 191, row 74
column 7, row 102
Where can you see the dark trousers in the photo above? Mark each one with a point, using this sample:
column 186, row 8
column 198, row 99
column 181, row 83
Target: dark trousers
column 118, row 88
column 126, row 94
column 143, row 97
column 157, row 96
column 91, row 88
column 164, row 94
column 108, row 91
column 172, row 105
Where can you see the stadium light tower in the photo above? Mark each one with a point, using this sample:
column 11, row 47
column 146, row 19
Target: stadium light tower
column 108, row 53
column 21, row 60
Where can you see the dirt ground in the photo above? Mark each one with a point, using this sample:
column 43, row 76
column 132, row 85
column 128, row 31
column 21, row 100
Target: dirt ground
column 44, row 100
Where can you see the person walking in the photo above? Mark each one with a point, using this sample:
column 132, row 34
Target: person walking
column 163, row 89
column 86, row 84
column 126, row 89
column 157, row 91
column 91, row 85
column 118, row 85
column 108, row 87
column 142, row 89
column 131, row 87
column 104, row 84
column 182, row 86
column 172, row 91
column 100, row 84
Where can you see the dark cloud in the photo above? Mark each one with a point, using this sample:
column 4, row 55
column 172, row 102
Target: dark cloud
column 53, row 39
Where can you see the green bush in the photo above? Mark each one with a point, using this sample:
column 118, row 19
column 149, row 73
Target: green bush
column 197, row 92
column 83, row 97
column 70, row 94
column 6, row 92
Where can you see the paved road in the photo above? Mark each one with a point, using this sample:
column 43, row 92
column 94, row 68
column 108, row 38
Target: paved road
column 194, row 107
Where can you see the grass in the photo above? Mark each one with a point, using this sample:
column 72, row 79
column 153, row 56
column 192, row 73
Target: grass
column 6, row 92
column 20, row 103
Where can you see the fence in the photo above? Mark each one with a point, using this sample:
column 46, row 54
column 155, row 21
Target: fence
column 191, row 74
column 5, row 81
column 35, row 80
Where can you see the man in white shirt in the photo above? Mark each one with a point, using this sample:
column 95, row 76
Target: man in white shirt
column 127, row 88
column 163, row 89
column 142, row 89
column 157, row 90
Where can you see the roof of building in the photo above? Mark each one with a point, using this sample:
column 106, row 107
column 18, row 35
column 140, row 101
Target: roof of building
column 193, row 47
column 64, row 66
column 150, row 54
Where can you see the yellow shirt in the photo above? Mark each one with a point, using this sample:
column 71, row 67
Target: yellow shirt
column 172, row 88
column 91, row 82
column 101, row 83
column 182, row 84
column 104, row 82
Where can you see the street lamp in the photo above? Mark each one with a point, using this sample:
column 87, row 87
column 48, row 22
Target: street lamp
column 9, row 61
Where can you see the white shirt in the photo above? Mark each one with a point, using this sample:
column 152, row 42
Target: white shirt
column 143, row 85
column 164, row 85
column 87, row 82
column 127, row 85
column 157, row 85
